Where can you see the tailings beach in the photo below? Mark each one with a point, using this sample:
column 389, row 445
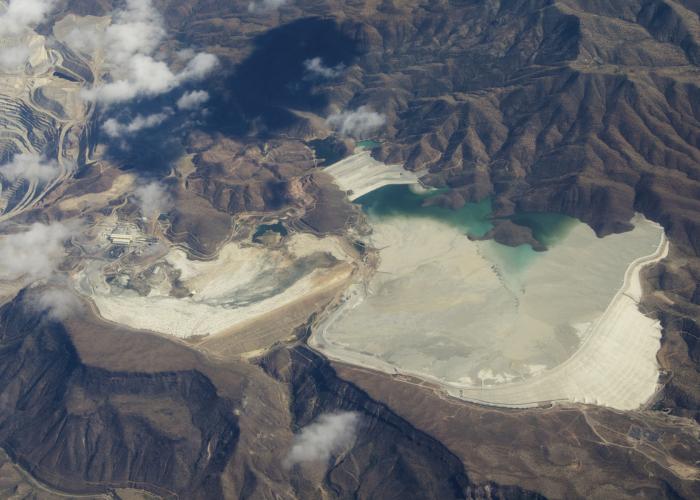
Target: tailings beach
column 500, row 325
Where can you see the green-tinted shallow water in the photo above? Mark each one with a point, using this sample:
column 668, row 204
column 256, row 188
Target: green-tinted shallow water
column 547, row 228
column 368, row 144
column 472, row 219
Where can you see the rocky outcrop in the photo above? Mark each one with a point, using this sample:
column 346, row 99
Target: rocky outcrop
column 195, row 224
column 82, row 429
column 390, row 458
column 87, row 429
column 237, row 177
column 508, row 233
column 677, row 302
column 238, row 198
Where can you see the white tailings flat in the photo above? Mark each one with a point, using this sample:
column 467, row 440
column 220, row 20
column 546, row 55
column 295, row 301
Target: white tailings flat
column 242, row 284
column 614, row 366
column 360, row 174
column 442, row 308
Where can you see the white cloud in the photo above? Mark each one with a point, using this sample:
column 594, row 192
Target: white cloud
column 58, row 303
column 85, row 39
column 21, row 15
column 359, row 123
column 18, row 18
column 35, row 253
column 13, row 58
column 129, row 43
column 198, row 67
column 30, row 166
column 265, row 5
column 136, row 29
column 316, row 68
column 330, row 434
column 114, row 128
column 153, row 199
column 192, row 100
column 185, row 54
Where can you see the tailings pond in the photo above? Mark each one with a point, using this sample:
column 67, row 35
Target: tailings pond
column 478, row 314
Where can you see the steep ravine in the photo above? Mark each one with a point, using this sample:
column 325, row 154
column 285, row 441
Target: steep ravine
column 84, row 429
column 411, row 465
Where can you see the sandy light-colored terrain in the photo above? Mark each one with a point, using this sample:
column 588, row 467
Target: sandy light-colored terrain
column 244, row 283
column 360, row 174
column 563, row 325
column 43, row 114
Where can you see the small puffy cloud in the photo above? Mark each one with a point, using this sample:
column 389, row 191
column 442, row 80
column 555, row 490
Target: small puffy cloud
column 135, row 29
column 185, row 54
column 315, row 68
column 35, row 253
column 141, row 76
column 359, row 123
column 198, row 67
column 58, row 303
column 330, row 434
column 129, row 44
column 265, row 5
column 30, row 166
column 115, row 128
column 18, row 18
column 153, row 199
column 192, row 100
column 21, row 15
column 85, row 39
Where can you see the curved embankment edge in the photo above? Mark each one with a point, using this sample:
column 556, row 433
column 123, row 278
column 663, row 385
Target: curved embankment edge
column 614, row 366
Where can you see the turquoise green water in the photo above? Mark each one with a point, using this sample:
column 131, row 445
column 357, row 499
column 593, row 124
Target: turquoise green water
column 472, row 219
column 547, row 228
column 368, row 144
